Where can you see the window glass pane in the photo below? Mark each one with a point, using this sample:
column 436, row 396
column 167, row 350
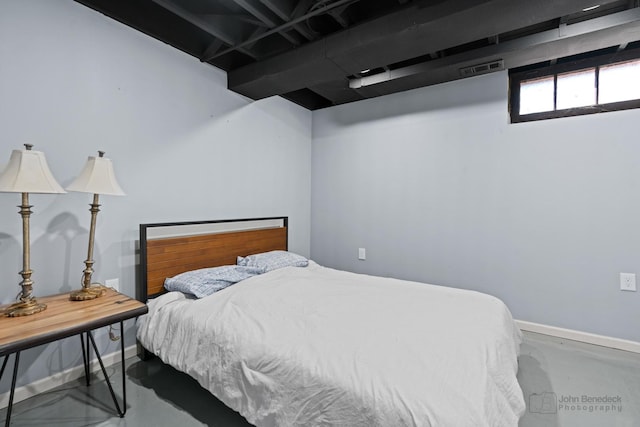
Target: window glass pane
column 619, row 82
column 536, row 95
column 576, row 89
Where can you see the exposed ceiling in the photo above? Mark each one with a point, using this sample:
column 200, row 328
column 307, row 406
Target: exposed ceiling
column 319, row 53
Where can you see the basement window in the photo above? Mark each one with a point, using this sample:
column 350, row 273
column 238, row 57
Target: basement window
column 596, row 84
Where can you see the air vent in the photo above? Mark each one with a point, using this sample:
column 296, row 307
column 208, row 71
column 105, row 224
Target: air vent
column 488, row 67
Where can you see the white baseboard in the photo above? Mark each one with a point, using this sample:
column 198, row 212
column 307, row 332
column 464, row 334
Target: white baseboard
column 57, row 379
column 586, row 337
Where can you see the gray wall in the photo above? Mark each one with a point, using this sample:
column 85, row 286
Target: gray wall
column 184, row 148
column 439, row 187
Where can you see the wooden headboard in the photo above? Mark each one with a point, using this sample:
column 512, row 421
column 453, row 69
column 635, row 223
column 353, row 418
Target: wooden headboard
column 167, row 249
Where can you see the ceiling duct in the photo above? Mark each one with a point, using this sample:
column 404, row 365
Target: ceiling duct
column 487, row 67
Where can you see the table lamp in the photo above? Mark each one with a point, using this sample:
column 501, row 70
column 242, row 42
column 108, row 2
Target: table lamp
column 27, row 172
column 97, row 177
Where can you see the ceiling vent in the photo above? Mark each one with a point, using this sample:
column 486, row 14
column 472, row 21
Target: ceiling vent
column 487, row 67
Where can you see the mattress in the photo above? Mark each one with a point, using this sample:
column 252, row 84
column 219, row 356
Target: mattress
column 316, row 346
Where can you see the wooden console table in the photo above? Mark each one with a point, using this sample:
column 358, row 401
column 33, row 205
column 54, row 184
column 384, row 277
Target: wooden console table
column 64, row 318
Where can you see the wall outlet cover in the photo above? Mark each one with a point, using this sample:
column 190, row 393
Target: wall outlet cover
column 628, row 282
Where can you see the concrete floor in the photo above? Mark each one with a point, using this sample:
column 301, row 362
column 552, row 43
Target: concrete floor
column 558, row 378
column 551, row 370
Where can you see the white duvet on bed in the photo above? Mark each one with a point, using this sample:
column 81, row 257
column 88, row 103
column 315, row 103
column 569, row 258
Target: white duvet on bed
column 320, row 347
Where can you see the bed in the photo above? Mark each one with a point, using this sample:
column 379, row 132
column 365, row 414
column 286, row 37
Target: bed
column 314, row 346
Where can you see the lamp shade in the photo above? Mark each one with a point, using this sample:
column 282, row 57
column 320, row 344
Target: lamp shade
column 28, row 172
column 97, row 177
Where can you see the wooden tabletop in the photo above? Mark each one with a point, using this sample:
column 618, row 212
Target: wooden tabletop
column 64, row 318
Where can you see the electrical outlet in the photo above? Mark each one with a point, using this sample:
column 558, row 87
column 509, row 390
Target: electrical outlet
column 362, row 254
column 113, row 283
column 628, row 282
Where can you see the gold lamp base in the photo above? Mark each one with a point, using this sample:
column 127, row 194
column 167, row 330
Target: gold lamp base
column 92, row 292
column 25, row 308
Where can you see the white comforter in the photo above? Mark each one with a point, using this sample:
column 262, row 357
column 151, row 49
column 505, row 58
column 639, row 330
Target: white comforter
column 320, row 347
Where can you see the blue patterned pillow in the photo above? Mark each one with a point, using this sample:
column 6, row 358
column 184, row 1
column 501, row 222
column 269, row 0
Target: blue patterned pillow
column 207, row 281
column 273, row 260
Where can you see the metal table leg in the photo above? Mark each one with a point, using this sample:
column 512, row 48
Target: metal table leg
column 4, row 365
column 85, row 360
column 106, row 377
column 13, row 384
column 124, row 379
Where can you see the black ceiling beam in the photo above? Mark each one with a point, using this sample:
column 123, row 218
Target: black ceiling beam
column 289, row 24
column 202, row 24
column 586, row 36
column 338, row 15
column 419, row 29
column 284, row 10
column 308, row 99
column 265, row 15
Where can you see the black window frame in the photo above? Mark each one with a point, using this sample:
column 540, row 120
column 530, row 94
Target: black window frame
column 517, row 76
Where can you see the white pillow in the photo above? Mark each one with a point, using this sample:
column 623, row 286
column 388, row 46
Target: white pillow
column 268, row 261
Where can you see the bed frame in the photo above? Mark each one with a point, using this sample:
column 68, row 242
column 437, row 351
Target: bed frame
column 167, row 249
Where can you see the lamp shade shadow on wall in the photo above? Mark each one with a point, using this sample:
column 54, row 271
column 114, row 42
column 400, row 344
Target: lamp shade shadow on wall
column 97, row 177
column 27, row 172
